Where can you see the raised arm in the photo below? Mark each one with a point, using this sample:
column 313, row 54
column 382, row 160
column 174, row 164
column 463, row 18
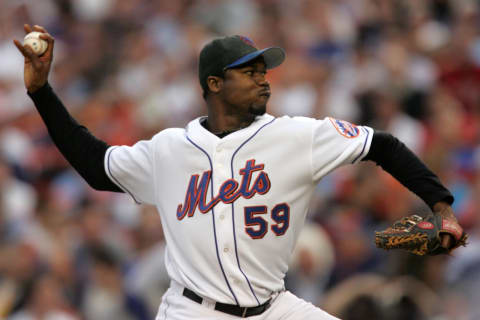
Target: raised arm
column 81, row 149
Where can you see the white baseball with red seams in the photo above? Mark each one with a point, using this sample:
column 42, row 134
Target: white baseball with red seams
column 232, row 208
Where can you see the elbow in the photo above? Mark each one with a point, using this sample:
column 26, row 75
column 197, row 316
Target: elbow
column 104, row 184
column 94, row 184
column 99, row 182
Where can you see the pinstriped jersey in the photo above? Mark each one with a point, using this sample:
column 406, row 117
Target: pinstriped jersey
column 232, row 208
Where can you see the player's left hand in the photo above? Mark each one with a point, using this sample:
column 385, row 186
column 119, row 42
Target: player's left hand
column 438, row 233
column 445, row 210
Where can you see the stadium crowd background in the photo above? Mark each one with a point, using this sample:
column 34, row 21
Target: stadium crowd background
column 127, row 69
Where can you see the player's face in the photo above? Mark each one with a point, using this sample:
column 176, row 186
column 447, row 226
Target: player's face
column 246, row 90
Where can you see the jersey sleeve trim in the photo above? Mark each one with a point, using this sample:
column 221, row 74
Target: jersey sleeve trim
column 109, row 173
column 366, row 144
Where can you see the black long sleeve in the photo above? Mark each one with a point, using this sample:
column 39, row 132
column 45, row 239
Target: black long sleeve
column 395, row 158
column 81, row 149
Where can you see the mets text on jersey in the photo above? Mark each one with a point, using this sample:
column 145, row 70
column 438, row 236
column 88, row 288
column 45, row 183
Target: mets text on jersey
column 228, row 192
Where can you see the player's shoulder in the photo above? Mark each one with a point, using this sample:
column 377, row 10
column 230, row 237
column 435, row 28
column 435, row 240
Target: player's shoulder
column 302, row 120
column 327, row 125
column 168, row 134
column 295, row 121
column 299, row 122
column 288, row 127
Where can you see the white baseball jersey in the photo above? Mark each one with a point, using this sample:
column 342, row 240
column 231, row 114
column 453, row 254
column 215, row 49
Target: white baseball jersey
column 232, row 208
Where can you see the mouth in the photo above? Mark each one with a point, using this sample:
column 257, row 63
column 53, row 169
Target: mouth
column 265, row 93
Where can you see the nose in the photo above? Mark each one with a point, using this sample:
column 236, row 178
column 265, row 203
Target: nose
column 262, row 80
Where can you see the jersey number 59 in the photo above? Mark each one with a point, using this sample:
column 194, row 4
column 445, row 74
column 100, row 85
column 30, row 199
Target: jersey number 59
column 256, row 226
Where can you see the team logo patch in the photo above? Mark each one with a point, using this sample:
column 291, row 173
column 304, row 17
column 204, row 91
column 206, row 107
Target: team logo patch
column 345, row 128
column 247, row 40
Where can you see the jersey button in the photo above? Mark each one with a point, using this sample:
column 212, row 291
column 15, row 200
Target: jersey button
column 222, row 217
column 226, row 249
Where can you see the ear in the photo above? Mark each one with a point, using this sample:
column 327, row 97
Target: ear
column 215, row 84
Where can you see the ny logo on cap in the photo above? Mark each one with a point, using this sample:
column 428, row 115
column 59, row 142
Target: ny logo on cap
column 247, row 40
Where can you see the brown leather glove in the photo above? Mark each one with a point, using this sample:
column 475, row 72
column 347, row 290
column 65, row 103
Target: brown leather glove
column 421, row 236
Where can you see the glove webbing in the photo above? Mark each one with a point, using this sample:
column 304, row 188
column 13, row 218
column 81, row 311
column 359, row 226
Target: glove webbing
column 414, row 243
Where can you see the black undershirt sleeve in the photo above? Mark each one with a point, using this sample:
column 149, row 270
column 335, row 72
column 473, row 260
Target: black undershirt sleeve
column 82, row 150
column 395, row 158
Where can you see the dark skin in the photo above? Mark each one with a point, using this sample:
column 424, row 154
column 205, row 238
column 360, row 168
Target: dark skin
column 233, row 101
column 36, row 68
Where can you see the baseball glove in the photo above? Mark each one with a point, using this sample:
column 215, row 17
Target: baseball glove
column 421, row 236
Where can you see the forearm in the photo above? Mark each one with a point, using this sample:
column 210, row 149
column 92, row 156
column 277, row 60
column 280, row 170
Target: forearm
column 81, row 149
column 395, row 158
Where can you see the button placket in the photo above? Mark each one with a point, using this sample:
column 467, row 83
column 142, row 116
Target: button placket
column 222, row 212
column 218, row 165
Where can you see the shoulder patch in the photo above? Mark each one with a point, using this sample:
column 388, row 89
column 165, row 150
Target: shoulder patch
column 345, row 128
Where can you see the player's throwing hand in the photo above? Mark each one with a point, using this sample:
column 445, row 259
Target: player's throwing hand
column 36, row 68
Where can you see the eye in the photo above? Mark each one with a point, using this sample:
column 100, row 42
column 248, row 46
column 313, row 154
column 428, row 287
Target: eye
column 249, row 73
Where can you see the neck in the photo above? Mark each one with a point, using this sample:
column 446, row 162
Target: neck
column 220, row 122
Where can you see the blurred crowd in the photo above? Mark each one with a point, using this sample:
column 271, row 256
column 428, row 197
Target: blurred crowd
column 128, row 68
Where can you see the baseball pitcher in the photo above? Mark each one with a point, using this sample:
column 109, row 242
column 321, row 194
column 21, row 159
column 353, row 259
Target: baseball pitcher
column 232, row 188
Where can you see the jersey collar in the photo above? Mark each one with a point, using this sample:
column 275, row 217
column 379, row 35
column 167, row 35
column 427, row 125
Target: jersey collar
column 197, row 133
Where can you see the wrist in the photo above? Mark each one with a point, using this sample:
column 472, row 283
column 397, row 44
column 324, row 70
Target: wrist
column 440, row 206
column 34, row 88
column 445, row 210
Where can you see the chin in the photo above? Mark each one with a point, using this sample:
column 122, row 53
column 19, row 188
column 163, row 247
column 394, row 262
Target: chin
column 258, row 110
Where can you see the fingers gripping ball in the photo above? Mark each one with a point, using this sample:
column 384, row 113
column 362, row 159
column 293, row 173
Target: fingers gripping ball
column 421, row 236
column 39, row 46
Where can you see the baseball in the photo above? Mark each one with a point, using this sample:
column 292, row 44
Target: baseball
column 39, row 46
